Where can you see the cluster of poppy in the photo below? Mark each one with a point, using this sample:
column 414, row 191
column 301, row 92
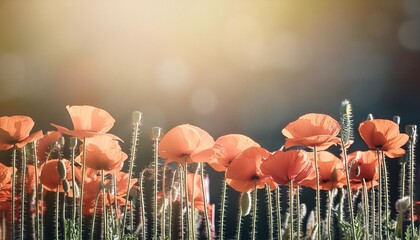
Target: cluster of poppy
column 303, row 161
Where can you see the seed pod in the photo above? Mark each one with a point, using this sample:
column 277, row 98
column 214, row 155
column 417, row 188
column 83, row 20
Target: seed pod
column 245, row 203
column 76, row 191
column 136, row 117
column 61, row 167
column 156, row 133
column 396, row 119
column 369, row 117
column 66, row 185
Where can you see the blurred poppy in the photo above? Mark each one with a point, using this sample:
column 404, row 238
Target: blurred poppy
column 244, row 170
column 292, row 165
column 363, row 165
column 50, row 178
column 87, row 121
column 44, row 144
column 384, row 135
column 186, row 144
column 311, row 130
column 14, row 131
column 331, row 172
column 233, row 145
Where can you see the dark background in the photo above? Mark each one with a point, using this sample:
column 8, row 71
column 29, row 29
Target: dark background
column 227, row 67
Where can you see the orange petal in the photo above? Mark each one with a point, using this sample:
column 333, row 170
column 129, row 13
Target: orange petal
column 179, row 141
column 90, row 118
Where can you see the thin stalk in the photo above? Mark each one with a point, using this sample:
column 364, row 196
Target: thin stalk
column 373, row 210
column 63, row 217
column 13, row 191
column 380, row 196
column 386, row 195
column 186, row 199
column 131, row 215
column 155, row 186
column 366, row 208
column 254, row 210
column 278, row 213
column 298, row 210
column 170, row 216
column 222, row 211
column 57, row 200
column 330, row 202
column 163, row 214
column 82, row 183
column 22, row 196
column 3, row 224
column 206, row 217
column 291, row 233
column 192, row 201
column 42, row 215
column 36, row 192
column 349, row 197
column 402, row 190
column 92, row 229
column 103, row 204
column 114, row 186
column 270, row 213
column 181, row 198
column 73, row 179
column 318, row 197
column 238, row 227
column 411, row 155
column 143, row 213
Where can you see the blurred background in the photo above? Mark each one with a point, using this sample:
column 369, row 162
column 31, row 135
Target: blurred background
column 225, row 66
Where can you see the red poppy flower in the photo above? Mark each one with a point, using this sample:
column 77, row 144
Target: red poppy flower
column 14, row 131
column 363, row 165
column 186, row 144
column 233, row 145
column 331, row 172
column 311, row 130
column 244, row 170
column 103, row 153
column 49, row 175
column 292, row 165
column 44, row 144
column 87, row 121
column 384, row 135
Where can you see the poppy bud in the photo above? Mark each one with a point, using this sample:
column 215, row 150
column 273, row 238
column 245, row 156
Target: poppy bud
column 411, row 130
column 61, row 168
column 396, row 119
column 357, row 171
column 369, row 117
column 245, row 203
column 136, row 117
column 73, row 142
column 404, row 159
column 156, row 133
column 76, row 191
column 402, row 204
column 66, row 185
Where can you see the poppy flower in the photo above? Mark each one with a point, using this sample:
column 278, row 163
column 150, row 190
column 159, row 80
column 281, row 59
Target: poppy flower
column 44, row 144
column 244, row 170
column 233, row 145
column 87, row 121
column 331, row 172
column 312, row 130
column 292, row 165
column 5, row 175
column 49, row 175
column 384, row 135
column 103, row 153
column 363, row 165
column 186, row 144
column 14, row 131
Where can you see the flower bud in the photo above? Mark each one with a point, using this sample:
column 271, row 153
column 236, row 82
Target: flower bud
column 156, row 133
column 61, row 168
column 136, row 117
column 402, row 204
column 245, row 203
column 369, row 117
column 66, row 185
column 76, row 191
column 396, row 119
column 411, row 131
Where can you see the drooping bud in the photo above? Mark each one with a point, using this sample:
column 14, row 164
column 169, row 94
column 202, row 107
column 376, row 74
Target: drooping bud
column 76, row 191
column 156, row 133
column 61, row 168
column 396, row 119
column 369, row 117
column 245, row 203
column 66, row 185
column 402, row 204
column 136, row 117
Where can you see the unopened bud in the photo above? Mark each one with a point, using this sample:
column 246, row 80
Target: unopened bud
column 76, row 191
column 73, row 142
column 402, row 204
column 411, row 131
column 66, row 185
column 245, row 203
column 61, row 168
column 136, row 117
column 156, row 133
column 396, row 119
column 369, row 117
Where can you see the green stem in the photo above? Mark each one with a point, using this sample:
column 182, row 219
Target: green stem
column 36, row 192
column 143, row 212
column 13, row 191
column 291, row 233
column 181, row 205
column 349, row 197
column 254, row 210
column 82, row 184
column 114, row 186
column 238, row 227
column 22, row 196
column 206, row 216
column 270, row 212
column 366, row 208
column 298, row 210
column 373, row 211
column 104, row 215
column 170, row 215
column 411, row 156
column 57, row 200
column 187, row 199
column 155, row 189
column 318, row 197
column 330, row 202
column 42, row 215
column 163, row 214
column 192, row 202
column 92, row 230
column 385, row 176
column 279, row 231
column 222, row 211
column 64, row 216
column 380, row 196
column 131, row 215
column 73, row 179
column 402, row 190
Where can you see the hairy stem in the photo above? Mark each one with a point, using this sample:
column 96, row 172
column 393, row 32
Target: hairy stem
column 57, row 200
column 238, row 227
column 206, row 216
column 318, row 198
column 411, row 155
column 22, row 196
column 13, row 191
column 330, row 202
column 82, row 183
column 380, row 196
column 349, row 197
column 36, row 192
column 270, row 213
column 279, row 231
column 143, row 212
column 373, row 210
column 222, row 211
column 291, row 232
column 254, row 210
column 155, row 189
column 366, row 208
column 385, row 176
column 92, row 230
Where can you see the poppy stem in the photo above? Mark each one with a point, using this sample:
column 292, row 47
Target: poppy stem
column 206, row 216
column 373, row 210
column 411, row 156
column 155, row 188
column 192, row 201
column 349, row 197
column 36, row 191
column 298, row 210
column 318, row 198
column 279, row 230
column 181, row 198
column 22, row 196
column 42, row 215
column 291, row 233
column 254, row 210
column 92, row 229
column 170, row 215
column 222, row 210
column 187, row 199
column 385, row 176
column 270, row 212
column 13, row 190
column 57, row 200
column 330, row 202
column 143, row 212
column 163, row 214
column 104, row 215
column 82, row 183
column 73, row 178
column 366, row 208
column 116, row 222
column 380, row 195
column 63, row 217
column 238, row 227
column 402, row 189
